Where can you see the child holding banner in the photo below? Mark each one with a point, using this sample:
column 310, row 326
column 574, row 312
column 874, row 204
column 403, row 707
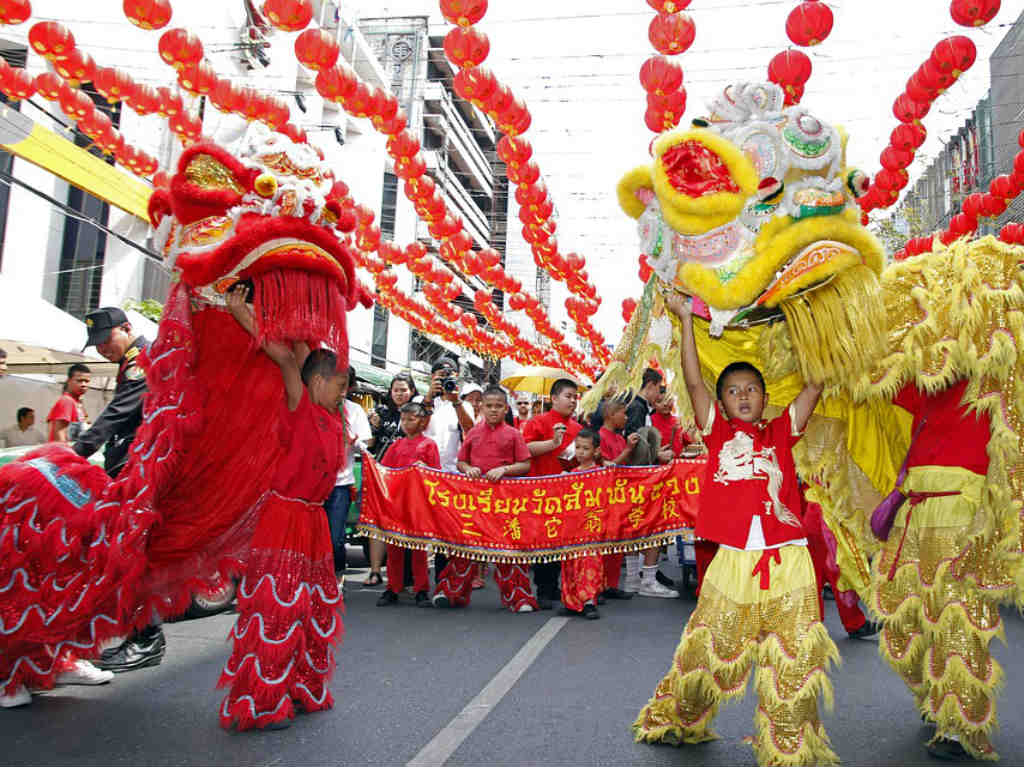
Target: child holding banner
column 758, row 602
column 618, row 450
column 414, row 447
column 491, row 450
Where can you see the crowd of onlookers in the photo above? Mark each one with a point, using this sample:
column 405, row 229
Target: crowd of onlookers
column 459, row 426
column 66, row 419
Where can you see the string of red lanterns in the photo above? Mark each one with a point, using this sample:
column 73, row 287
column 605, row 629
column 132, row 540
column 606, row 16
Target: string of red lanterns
column 807, row 25
column 671, row 33
column 1001, row 192
column 467, row 48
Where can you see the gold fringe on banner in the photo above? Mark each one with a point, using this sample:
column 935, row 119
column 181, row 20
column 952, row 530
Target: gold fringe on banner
column 509, row 556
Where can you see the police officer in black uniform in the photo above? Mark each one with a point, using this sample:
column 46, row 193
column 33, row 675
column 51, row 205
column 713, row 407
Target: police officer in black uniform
column 112, row 335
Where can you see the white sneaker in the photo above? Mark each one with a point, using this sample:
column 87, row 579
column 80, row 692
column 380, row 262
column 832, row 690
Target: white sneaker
column 651, row 588
column 525, row 609
column 84, row 673
column 21, row 697
column 631, row 583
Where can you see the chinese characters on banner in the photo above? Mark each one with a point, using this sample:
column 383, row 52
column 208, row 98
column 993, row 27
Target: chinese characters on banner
column 531, row 519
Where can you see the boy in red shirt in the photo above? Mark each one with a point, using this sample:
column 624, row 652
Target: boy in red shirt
column 759, row 599
column 550, row 438
column 69, row 408
column 490, row 450
column 288, row 602
column 667, row 425
column 414, row 447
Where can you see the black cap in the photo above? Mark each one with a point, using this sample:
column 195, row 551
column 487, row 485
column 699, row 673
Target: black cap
column 100, row 322
column 445, row 362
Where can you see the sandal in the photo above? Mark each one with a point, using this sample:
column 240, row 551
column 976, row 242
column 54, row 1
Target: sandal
column 373, row 579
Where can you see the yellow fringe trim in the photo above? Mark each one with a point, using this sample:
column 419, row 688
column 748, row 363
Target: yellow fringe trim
column 815, row 747
column 838, row 328
column 480, row 554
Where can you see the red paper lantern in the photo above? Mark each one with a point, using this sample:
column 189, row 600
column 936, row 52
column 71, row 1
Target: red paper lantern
column 16, row 83
column 961, row 224
column 198, row 79
column 464, row 13
column 170, row 102
column 392, row 125
column 809, row 23
column 143, row 99
column 295, row 133
column 515, row 119
column 48, row 85
column 148, row 14
column 930, row 75
column 94, row 123
column 15, row 11
column 113, row 84
column 289, row 15
column 77, row 67
column 403, row 144
column 317, row 49
column 972, row 205
column 180, row 48
column 660, row 76
column 671, row 105
column 919, row 90
column 276, row 111
column 896, row 159
column 954, row 55
column 992, row 206
column 51, row 39
column 1018, row 164
column 668, row 6
column 74, row 103
column 628, row 307
column 110, row 140
column 790, row 70
column 908, row 136
column 671, row 33
column 524, row 175
column 337, row 82
column 907, row 110
column 475, row 84
column 1003, row 188
column 466, row 47
column 515, row 151
column 973, row 13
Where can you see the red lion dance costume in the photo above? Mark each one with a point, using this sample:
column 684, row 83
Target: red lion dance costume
column 84, row 559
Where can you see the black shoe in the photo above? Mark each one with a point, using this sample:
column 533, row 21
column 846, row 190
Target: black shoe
column 387, row 598
column 544, row 603
column 423, row 599
column 283, row 724
column 440, row 600
column 600, row 599
column 664, row 580
column 146, row 648
column 590, row 613
column 869, row 631
column 949, row 750
column 617, row 594
column 826, row 592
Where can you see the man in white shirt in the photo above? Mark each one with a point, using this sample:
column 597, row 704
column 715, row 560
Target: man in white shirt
column 23, row 432
column 357, row 434
column 449, row 418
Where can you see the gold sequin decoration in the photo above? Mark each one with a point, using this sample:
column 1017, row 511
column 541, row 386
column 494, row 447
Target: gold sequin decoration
column 207, row 172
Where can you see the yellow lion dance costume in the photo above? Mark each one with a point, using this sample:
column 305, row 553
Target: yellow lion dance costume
column 752, row 212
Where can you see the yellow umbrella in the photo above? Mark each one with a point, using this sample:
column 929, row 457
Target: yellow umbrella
column 536, row 380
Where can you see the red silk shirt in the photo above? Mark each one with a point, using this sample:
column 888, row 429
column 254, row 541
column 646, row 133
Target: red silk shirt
column 487, row 447
column 951, row 436
column 408, row 450
column 313, row 442
column 741, row 459
column 542, row 427
column 612, row 444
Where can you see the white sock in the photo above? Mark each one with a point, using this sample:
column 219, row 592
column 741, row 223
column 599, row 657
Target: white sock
column 648, row 572
column 632, row 565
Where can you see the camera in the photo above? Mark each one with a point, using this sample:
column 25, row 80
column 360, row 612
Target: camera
column 449, row 384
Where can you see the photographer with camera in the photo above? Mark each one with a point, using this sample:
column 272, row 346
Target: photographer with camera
column 449, row 417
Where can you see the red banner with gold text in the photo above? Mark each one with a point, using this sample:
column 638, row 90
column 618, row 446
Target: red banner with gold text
column 619, row 508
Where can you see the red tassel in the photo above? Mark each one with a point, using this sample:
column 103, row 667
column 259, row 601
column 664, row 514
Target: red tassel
column 292, row 305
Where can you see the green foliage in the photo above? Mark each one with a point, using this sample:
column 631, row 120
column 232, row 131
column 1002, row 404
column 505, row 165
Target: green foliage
column 150, row 308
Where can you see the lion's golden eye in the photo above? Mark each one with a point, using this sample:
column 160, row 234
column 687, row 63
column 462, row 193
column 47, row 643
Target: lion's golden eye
column 204, row 171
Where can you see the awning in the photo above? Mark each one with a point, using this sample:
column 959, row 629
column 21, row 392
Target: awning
column 23, row 359
column 25, row 138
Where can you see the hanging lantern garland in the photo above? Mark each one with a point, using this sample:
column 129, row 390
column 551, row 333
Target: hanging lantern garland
column 15, row 11
column 944, row 66
column 467, row 48
column 991, row 204
column 807, row 25
column 671, row 32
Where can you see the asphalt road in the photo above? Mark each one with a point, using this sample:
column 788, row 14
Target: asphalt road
column 479, row 685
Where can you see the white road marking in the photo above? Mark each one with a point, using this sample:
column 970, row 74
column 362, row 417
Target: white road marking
column 444, row 744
